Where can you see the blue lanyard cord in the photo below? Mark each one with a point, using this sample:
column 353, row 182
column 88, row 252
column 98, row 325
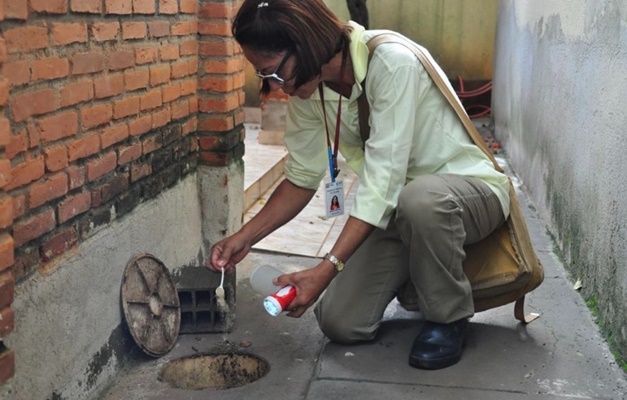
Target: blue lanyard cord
column 332, row 154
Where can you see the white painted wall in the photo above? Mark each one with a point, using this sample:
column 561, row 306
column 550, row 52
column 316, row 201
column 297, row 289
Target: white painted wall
column 560, row 108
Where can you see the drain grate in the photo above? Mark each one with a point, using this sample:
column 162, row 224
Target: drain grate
column 200, row 312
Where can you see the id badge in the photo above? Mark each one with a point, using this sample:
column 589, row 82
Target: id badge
column 334, row 198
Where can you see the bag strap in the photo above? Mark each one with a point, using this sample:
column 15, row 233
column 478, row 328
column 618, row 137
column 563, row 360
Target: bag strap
column 364, row 107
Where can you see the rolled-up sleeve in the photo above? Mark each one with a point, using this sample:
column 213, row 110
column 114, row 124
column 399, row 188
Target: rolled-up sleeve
column 305, row 142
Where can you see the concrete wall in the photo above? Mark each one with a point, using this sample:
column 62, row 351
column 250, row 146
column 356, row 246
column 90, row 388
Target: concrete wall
column 559, row 101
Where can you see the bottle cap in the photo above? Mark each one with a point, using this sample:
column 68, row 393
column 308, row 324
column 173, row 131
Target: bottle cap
column 272, row 306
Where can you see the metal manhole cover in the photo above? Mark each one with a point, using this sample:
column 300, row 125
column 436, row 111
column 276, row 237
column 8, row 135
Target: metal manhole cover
column 151, row 305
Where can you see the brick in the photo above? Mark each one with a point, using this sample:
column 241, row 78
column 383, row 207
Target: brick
column 16, row 9
column 140, row 170
column 171, row 92
column 222, row 104
column 96, row 115
column 121, row 59
column 50, row 68
column 86, row 6
column 33, row 227
column 189, row 6
column 111, row 189
column 33, row 136
column 26, row 38
column 7, row 253
column 161, row 118
column 26, row 172
column 140, row 125
column 168, row 7
column 119, row 7
column 180, row 109
column 50, row 188
column 3, row 43
column 215, row 28
column 17, row 72
column 58, row 244
column 215, row 124
column 220, row 84
column 67, row 33
column 76, row 92
column 87, row 63
column 7, row 321
column 134, row 30
column 159, row 28
column 108, row 86
column 144, row 7
column 179, row 70
column 105, row 31
column 151, row 99
column 5, row 132
column 33, row 103
column 7, row 289
column 83, row 147
column 4, row 91
column 73, row 206
column 136, row 79
column 101, row 166
column 216, row 48
column 126, row 107
column 145, row 55
column 189, row 86
column 7, row 365
column 189, row 48
column 58, row 126
column 169, row 52
column 49, row 6
column 159, row 75
column 113, row 134
column 189, row 126
column 151, row 144
column 5, row 173
column 193, row 105
column 183, row 28
column 216, row 10
column 76, row 176
column 19, row 206
column 223, row 66
column 6, row 211
column 130, row 153
column 56, row 158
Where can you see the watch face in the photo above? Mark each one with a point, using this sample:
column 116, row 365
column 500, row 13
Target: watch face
column 339, row 266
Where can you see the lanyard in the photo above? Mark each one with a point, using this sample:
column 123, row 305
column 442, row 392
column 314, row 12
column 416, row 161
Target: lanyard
column 332, row 151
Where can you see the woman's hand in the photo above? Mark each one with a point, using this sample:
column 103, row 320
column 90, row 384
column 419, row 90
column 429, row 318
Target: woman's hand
column 228, row 252
column 309, row 285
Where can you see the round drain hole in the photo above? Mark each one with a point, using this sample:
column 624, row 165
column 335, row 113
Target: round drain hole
column 214, row 371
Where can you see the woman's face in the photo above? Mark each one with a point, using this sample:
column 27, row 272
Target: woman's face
column 268, row 64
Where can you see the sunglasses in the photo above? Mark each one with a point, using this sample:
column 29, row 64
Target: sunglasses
column 274, row 76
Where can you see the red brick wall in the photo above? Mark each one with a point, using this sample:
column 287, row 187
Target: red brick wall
column 102, row 105
column 220, row 85
column 7, row 356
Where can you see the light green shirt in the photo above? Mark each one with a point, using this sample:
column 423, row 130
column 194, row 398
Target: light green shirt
column 413, row 132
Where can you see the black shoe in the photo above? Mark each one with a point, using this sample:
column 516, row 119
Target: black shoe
column 439, row 345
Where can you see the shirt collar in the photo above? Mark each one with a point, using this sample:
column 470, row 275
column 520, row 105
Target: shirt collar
column 359, row 52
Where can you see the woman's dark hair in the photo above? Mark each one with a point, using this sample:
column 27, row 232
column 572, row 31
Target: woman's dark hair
column 306, row 27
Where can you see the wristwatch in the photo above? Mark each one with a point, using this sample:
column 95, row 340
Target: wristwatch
column 339, row 264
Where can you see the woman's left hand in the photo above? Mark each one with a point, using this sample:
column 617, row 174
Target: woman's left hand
column 309, row 285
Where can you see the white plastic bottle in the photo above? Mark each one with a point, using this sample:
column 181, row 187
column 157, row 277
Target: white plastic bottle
column 277, row 298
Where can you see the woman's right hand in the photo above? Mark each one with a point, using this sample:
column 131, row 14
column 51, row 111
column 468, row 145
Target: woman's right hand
column 228, row 252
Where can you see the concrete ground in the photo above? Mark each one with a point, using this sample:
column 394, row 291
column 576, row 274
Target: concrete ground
column 561, row 355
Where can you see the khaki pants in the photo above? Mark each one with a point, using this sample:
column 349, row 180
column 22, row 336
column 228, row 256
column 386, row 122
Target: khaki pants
column 421, row 250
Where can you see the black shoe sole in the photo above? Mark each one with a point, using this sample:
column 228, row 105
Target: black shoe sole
column 434, row 364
